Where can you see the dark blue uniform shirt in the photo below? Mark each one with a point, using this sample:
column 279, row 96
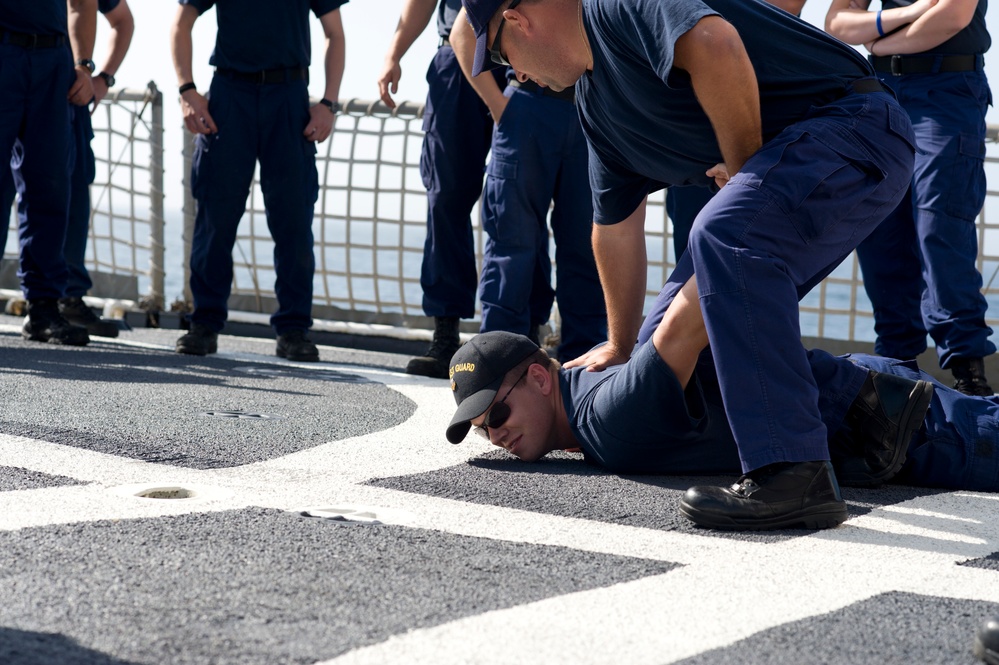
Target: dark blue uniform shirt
column 35, row 17
column 254, row 35
column 447, row 12
column 644, row 125
column 635, row 418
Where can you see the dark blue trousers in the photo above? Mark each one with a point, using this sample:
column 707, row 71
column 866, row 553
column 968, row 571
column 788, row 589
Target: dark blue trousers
column 683, row 204
column 919, row 266
column 797, row 208
column 457, row 129
column 82, row 176
column 256, row 123
column 958, row 445
column 34, row 109
column 539, row 155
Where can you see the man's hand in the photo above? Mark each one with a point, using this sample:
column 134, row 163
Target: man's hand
column 81, row 92
column 720, row 174
column 100, row 89
column 599, row 358
column 388, row 82
column 194, row 109
column 320, row 124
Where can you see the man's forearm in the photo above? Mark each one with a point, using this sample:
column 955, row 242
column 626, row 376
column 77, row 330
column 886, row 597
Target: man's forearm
column 413, row 21
column 463, row 42
column 622, row 263
column 725, row 84
column 122, row 28
column 336, row 50
column 82, row 24
column 933, row 28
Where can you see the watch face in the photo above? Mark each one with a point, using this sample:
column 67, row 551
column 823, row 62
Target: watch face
column 108, row 78
column 89, row 64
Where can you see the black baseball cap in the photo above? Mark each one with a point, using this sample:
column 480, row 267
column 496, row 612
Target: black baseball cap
column 477, row 370
column 479, row 14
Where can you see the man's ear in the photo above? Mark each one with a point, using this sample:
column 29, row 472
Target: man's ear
column 518, row 21
column 540, row 375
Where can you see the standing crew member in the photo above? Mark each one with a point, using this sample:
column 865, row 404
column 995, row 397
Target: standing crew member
column 38, row 83
column 257, row 109
column 457, row 130
column 538, row 158
column 809, row 153
column 919, row 265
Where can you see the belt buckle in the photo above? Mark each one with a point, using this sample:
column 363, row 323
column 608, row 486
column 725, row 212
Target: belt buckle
column 896, row 65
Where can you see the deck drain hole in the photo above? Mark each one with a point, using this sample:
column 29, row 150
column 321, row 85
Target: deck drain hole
column 166, row 493
column 241, row 415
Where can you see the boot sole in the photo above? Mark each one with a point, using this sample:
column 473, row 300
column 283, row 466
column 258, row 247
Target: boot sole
column 197, row 352
column 913, row 417
column 303, row 359
column 817, row 517
column 48, row 339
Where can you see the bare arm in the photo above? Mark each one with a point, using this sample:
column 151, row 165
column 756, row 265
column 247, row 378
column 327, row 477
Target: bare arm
column 622, row 263
column 82, row 24
column 463, row 42
column 934, row 27
column 122, row 27
column 193, row 105
column 320, row 124
column 725, row 84
column 851, row 22
column 681, row 335
column 415, row 16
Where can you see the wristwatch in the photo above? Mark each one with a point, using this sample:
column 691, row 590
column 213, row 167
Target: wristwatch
column 334, row 107
column 88, row 63
column 108, row 78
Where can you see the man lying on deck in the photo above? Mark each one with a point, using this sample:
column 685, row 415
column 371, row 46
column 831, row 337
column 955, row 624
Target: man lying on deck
column 885, row 419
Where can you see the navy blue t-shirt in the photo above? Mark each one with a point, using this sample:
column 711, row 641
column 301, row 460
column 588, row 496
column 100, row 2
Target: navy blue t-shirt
column 34, row 17
column 972, row 40
column 104, row 6
column 254, row 35
column 643, row 124
column 635, row 418
column 447, row 12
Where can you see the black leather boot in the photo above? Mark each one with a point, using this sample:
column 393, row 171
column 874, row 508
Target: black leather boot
column 785, row 495
column 79, row 313
column 879, row 426
column 969, row 377
column 200, row 341
column 46, row 324
column 446, row 341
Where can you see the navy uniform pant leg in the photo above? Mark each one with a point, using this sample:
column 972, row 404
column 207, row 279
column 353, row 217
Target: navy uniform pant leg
column 515, row 285
column 457, row 130
column 578, row 290
column 683, row 204
column 799, row 206
column 7, row 194
column 75, row 248
column 935, row 224
column 33, row 108
column 958, row 445
column 289, row 182
column 221, row 173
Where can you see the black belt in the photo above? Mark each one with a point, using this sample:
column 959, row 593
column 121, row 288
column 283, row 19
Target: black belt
column 567, row 95
column 267, row 75
column 897, row 65
column 32, row 41
column 865, row 87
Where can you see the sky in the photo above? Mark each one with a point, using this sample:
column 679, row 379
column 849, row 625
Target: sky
column 368, row 27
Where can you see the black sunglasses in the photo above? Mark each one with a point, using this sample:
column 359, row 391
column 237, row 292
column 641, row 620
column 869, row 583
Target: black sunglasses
column 494, row 52
column 499, row 412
